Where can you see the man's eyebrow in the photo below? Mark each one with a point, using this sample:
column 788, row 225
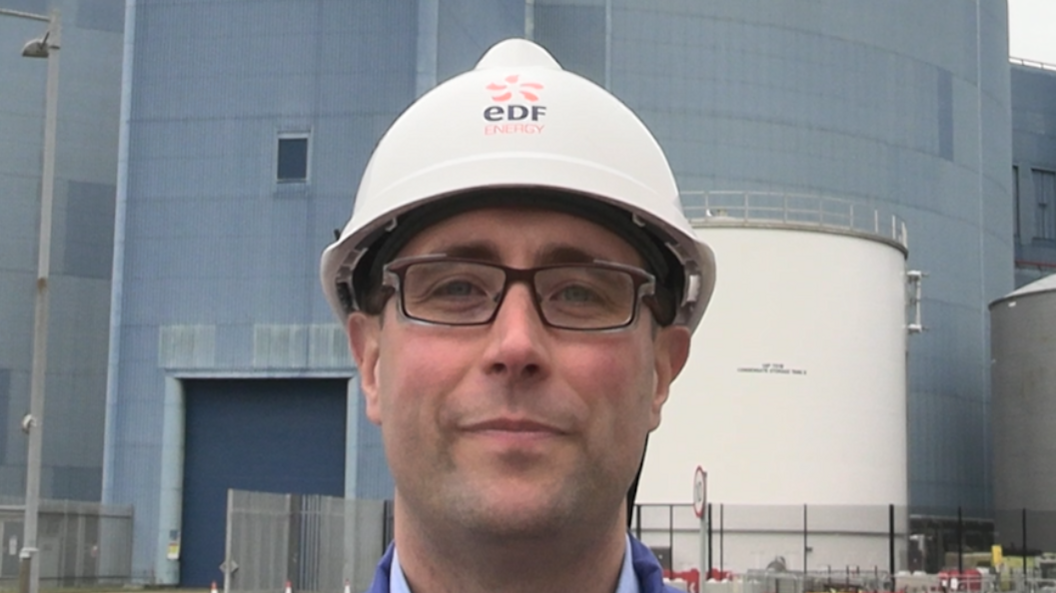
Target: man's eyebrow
column 479, row 250
column 565, row 254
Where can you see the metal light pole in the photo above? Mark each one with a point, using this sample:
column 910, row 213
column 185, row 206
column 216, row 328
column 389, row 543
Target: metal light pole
column 45, row 47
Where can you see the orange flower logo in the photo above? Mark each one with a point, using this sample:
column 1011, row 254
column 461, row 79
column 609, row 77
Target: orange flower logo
column 505, row 90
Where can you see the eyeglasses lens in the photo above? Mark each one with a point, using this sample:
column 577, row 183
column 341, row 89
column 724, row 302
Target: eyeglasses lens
column 585, row 296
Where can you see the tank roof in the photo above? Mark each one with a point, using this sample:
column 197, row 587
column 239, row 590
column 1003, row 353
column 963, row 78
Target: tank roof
column 1046, row 284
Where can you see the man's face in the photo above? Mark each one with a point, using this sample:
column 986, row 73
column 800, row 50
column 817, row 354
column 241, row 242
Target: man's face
column 514, row 429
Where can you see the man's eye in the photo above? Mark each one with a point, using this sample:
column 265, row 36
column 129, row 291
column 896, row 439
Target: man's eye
column 576, row 294
column 456, row 288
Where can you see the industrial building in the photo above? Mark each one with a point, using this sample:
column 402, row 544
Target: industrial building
column 1034, row 169
column 244, row 127
column 217, row 228
column 1022, row 324
column 89, row 97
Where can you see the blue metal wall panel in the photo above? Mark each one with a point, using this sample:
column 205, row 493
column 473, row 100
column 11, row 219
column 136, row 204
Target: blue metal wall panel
column 82, row 235
column 9, row 420
column 466, row 28
column 575, row 36
column 1034, row 147
column 102, row 15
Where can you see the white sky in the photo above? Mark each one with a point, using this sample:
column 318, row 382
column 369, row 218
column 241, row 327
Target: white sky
column 1032, row 30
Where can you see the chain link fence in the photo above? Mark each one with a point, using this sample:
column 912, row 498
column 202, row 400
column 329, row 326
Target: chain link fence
column 82, row 544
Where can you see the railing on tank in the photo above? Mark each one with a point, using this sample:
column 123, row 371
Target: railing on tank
column 716, row 207
column 1032, row 63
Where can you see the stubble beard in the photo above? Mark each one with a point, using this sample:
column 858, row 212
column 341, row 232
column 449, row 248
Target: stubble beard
column 498, row 512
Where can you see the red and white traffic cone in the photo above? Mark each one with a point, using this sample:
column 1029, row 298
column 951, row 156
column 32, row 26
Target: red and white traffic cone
column 348, row 587
column 289, row 587
column 212, row 589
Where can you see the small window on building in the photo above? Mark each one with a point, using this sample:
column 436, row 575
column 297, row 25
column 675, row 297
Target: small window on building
column 292, row 161
column 1045, row 191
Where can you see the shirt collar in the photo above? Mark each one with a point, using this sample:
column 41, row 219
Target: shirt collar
column 628, row 582
column 397, row 582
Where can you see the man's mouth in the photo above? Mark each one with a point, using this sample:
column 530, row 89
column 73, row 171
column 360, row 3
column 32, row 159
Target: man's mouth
column 513, row 425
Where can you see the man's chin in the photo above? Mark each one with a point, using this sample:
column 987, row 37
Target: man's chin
column 518, row 518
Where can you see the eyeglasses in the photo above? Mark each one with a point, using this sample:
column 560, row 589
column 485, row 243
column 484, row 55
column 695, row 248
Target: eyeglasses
column 457, row 292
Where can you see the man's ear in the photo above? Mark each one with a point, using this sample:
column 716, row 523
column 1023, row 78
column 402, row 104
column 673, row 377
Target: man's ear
column 364, row 332
column 672, row 352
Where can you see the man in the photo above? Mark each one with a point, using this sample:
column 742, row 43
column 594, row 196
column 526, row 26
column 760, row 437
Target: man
column 519, row 286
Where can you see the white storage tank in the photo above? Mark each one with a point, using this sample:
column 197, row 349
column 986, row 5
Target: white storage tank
column 1023, row 350
column 795, row 391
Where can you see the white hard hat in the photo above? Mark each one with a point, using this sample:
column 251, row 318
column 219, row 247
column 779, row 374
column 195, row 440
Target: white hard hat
column 518, row 121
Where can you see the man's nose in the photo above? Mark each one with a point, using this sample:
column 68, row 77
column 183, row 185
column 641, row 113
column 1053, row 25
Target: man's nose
column 518, row 337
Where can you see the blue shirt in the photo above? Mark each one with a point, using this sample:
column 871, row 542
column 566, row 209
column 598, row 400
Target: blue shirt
column 640, row 573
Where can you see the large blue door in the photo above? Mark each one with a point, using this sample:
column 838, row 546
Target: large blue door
column 267, row 435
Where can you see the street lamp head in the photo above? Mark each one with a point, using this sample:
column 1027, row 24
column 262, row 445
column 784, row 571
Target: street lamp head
column 37, row 48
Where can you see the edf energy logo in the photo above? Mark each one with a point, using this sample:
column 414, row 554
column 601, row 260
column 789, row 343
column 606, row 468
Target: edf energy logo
column 515, row 109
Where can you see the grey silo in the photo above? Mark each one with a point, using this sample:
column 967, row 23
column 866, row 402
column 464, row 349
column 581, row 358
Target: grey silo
column 82, row 240
column 1022, row 325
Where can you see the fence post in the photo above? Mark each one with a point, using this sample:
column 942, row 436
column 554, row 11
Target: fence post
column 388, row 531
column 638, row 522
column 228, row 537
column 805, row 546
column 722, row 536
column 891, row 541
column 710, row 546
column 670, row 531
column 960, row 540
column 1024, row 548
column 293, row 502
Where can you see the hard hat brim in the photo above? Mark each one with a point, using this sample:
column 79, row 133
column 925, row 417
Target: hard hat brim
column 526, row 170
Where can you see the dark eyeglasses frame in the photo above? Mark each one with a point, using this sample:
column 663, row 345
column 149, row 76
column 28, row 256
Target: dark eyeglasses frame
column 644, row 287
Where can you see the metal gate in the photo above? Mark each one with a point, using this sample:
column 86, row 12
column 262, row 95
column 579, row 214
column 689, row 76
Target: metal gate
column 263, row 435
column 81, row 543
column 310, row 542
